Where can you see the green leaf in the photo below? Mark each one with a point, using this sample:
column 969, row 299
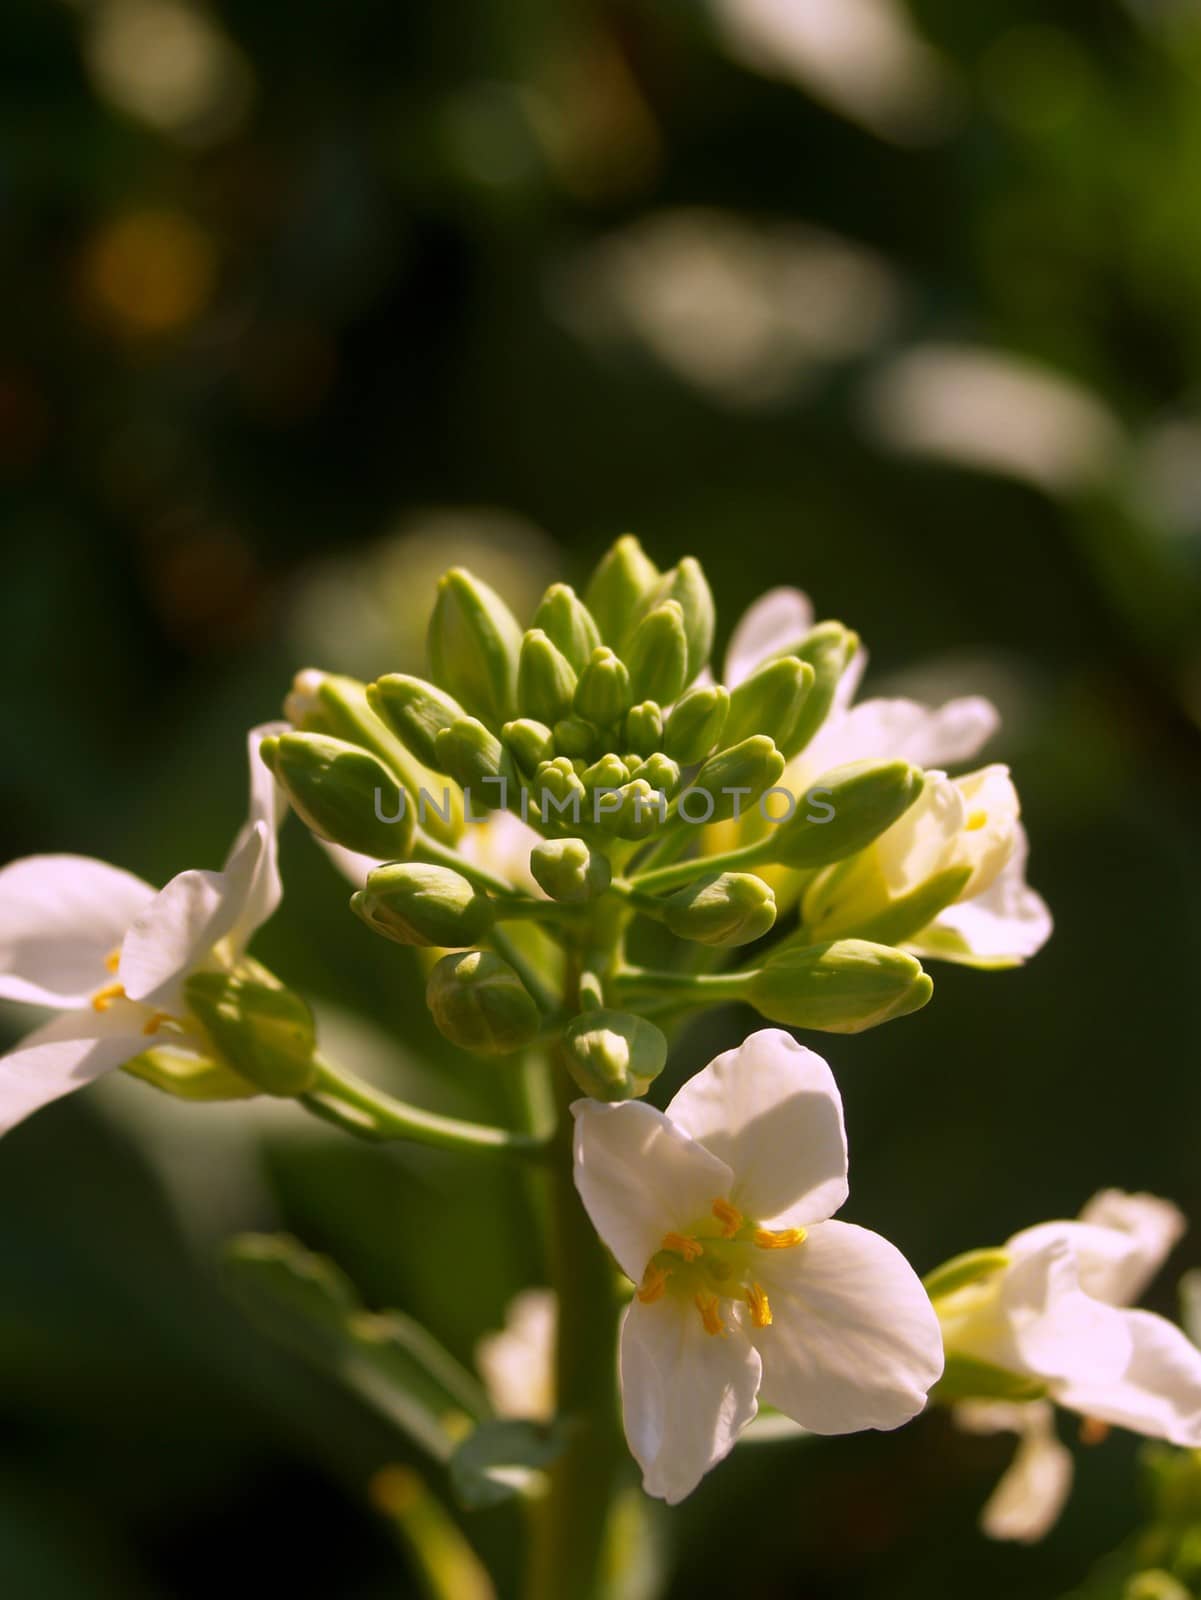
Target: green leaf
column 502, row 1459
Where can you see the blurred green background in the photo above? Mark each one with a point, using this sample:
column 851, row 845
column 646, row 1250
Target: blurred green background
column 303, row 303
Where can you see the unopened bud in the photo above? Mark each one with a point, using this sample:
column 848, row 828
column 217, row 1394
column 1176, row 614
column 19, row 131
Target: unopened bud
column 625, row 576
column 657, row 654
column 545, row 679
column 613, row 1055
column 264, row 1031
column 644, row 728
column 529, row 743
column 603, row 692
column 725, row 909
column 568, row 623
column 610, row 772
column 697, row 722
column 733, row 780
column 639, row 810
column 843, row 987
column 660, row 771
column 416, row 712
column 829, row 649
column 770, row 701
column 843, row 812
column 558, row 792
column 475, row 758
column 576, row 738
column 342, row 793
column 687, row 584
column 418, row 904
column 569, row 870
column 474, row 642
column 480, row 1004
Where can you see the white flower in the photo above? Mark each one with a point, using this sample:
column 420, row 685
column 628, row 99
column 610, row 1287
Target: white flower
column 517, row 1364
column 997, row 919
column 111, row 955
column 719, row 1212
column 1057, row 1314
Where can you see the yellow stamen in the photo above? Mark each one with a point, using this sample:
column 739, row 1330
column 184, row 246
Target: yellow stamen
column 103, row 998
column 654, row 1282
column 706, row 1304
column 681, row 1245
column 155, row 1021
column 779, row 1238
column 113, row 960
column 976, row 821
column 729, row 1216
column 760, row 1306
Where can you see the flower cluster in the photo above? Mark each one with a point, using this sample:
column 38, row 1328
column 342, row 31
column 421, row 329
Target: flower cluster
column 554, row 801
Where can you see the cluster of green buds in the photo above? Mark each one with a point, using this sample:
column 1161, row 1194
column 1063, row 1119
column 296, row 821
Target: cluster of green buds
column 601, row 731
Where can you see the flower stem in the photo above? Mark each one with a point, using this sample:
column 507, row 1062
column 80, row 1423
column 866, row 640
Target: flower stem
column 368, row 1112
column 681, row 872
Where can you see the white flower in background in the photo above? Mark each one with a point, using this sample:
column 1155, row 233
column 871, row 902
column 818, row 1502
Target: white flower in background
column 111, row 954
column 1057, row 1314
column 997, row 919
column 517, row 1364
column 719, row 1212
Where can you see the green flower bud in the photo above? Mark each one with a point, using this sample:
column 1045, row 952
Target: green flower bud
column 637, row 810
column 660, row 771
column 657, row 654
column 568, row 870
column 644, row 728
column 416, row 712
column 480, row 1004
column 474, row 643
column 697, row 722
column 568, row 623
column 725, row 909
column 529, row 743
column 687, row 584
column 731, row 781
column 610, row 772
column 603, row 692
column 616, row 590
column 545, row 679
column 414, row 903
column 342, row 793
column 843, row 987
column 770, row 701
column 264, row 1031
column 558, row 791
column 613, row 1055
column 829, row 650
column 575, row 737
column 843, row 813
column 475, row 757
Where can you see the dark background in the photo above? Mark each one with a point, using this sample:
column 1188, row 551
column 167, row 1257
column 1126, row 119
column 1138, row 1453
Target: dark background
column 302, row 303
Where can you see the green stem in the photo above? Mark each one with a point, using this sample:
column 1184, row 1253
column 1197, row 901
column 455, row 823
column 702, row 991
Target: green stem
column 359, row 1108
column 438, row 855
column 747, row 855
column 706, row 988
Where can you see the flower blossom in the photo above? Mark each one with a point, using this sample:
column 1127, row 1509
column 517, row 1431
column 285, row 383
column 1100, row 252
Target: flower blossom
column 1056, row 1313
column 719, row 1211
column 111, row 955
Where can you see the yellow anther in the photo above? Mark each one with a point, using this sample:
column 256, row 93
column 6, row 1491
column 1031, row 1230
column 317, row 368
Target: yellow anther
column 654, row 1281
column 779, row 1238
column 706, row 1304
column 113, row 960
column 681, row 1245
column 729, row 1216
column 975, row 821
column 103, row 998
column 760, row 1306
column 155, row 1021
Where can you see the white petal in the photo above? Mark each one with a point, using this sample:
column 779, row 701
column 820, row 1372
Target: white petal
column 1002, row 927
column 776, row 620
column 1050, row 1328
column 772, row 1112
column 686, row 1394
column 66, row 1054
column 263, row 890
column 518, row 1363
column 1152, row 1227
column 1159, row 1393
column 60, row 918
column 1027, row 1501
column 640, row 1177
column 904, row 730
column 854, row 1341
